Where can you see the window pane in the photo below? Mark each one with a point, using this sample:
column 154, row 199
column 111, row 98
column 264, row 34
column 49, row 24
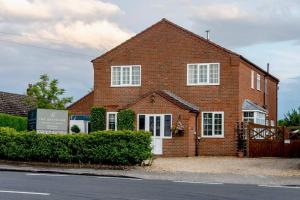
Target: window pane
column 207, row 124
column 141, row 122
column 192, row 74
column 218, row 124
column 112, row 121
column 214, row 73
column 258, row 82
column 116, row 75
column 202, row 73
column 136, row 79
column 167, row 131
column 151, row 124
column 126, row 75
column 157, row 126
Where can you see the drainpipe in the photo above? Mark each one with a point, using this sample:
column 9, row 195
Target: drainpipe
column 196, row 140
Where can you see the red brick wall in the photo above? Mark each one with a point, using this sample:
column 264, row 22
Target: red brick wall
column 178, row 145
column 246, row 92
column 82, row 106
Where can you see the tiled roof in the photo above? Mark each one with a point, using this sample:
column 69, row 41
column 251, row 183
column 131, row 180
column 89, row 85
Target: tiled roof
column 14, row 104
column 249, row 105
column 173, row 98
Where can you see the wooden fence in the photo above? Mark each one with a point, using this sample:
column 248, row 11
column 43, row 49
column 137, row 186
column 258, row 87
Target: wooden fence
column 257, row 140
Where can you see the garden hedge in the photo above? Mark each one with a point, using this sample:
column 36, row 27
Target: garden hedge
column 98, row 119
column 12, row 121
column 103, row 147
column 126, row 120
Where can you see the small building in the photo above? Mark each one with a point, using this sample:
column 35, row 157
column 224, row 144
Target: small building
column 14, row 104
column 186, row 90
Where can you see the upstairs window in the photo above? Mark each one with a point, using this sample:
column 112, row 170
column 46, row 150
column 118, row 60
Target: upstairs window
column 129, row 75
column 203, row 74
column 258, row 82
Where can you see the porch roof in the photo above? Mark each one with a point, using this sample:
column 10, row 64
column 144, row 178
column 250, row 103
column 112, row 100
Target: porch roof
column 250, row 106
column 173, row 98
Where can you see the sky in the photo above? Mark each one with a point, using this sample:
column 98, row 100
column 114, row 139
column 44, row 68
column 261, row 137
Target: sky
column 61, row 37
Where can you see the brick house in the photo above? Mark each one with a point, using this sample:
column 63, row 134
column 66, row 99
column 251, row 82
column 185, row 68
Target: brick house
column 178, row 82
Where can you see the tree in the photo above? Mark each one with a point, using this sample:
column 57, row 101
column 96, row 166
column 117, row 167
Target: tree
column 46, row 94
column 291, row 118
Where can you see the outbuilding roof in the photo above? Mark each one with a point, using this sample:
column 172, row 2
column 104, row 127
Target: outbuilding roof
column 250, row 106
column 14, row 104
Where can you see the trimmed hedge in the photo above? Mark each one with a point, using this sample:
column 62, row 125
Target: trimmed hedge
column 103, row 147
column 12, row 121
column 98, row 119
column 126, row 120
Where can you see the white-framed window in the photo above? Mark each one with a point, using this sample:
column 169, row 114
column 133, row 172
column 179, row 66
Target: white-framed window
column 256, row 117
column 163, row 124
column 258, row 82
column 203, row 74
column 111, row 121
column 213, row 124
column 127, row 75
column 252, row 79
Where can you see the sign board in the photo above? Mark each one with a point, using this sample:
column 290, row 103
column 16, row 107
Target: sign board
column 48, row 121
column 287, row 141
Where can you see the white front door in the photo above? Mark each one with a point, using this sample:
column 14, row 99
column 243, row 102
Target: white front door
column 153, row 123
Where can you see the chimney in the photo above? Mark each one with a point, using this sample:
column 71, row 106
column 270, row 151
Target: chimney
column 207, row 34
column 268, row 67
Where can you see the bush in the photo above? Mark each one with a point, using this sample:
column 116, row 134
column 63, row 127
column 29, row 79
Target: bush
column 126, row 120
column 98, row 119
column 12, row 121
column 75, row 129
column 103, row 147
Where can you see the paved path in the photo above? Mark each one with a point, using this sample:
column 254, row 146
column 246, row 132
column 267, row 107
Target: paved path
column 25, row 186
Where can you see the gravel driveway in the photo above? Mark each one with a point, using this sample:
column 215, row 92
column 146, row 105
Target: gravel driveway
column 231, row 165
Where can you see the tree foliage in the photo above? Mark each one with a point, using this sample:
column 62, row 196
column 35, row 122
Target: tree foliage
column 12, row 121
column 291, row 118
column 126, row 120
column 98, row 119
column 46, row 94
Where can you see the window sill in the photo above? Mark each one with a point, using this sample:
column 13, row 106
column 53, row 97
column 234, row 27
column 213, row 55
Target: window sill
column 210, row 84
column 122, row 86
column 213, row 137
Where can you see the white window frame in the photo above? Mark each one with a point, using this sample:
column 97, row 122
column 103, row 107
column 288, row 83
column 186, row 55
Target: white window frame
column 258, row 82
column 107, row 120
column 121, row 76
column 162, row 125
column 213, row 125
column 252, row 79
column 256, row 117
column 198, row 75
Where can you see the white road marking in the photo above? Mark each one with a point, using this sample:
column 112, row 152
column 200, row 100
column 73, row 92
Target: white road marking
column 35, row 174
column 122, row 178
column 197, row 182
column 280, row 186
column 22, row 192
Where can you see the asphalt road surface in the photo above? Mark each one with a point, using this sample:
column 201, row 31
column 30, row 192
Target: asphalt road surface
column 22, row 185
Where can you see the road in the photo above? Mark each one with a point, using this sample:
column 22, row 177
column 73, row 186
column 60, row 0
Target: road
column 22, row 185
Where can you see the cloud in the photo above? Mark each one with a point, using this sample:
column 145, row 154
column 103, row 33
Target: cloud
column 243, row 23
column 74, row 23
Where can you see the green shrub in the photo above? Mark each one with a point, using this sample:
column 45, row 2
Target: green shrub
column 75, row 129
column 12, row 121
column 102, row 147
column 98, row 119
column 126, row 120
